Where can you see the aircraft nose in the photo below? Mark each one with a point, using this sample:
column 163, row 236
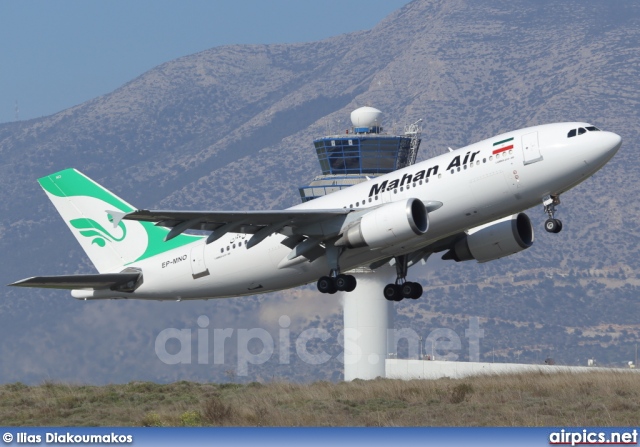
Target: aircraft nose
column 607, row 147
column 614, row 141
column 603, row 146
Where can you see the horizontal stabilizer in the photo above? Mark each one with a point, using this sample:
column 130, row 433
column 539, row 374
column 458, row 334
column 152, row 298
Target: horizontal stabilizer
column 126, row 281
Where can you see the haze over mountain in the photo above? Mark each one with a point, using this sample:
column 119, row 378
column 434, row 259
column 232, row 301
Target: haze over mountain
column 231, row 128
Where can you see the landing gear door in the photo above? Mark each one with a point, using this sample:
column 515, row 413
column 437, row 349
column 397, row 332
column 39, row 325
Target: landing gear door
column 198, row 266
column 531, row 148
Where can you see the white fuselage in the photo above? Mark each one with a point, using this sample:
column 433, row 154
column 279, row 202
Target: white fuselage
column 474, row 184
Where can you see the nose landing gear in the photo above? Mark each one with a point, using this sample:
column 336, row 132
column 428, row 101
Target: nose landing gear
column 552, row 225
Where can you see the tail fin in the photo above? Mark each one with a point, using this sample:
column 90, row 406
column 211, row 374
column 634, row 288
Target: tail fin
column 84, row 205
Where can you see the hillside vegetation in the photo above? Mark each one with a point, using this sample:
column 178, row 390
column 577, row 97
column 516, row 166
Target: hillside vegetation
column 538, row 399
column 232, row 128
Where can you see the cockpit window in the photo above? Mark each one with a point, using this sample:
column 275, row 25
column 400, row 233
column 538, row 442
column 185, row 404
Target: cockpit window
column 581, row 131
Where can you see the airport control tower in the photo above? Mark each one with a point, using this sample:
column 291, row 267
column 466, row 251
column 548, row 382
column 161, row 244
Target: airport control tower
column 363, row 152
column 360, row 152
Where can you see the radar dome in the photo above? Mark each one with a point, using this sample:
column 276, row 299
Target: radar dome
column 366, row 117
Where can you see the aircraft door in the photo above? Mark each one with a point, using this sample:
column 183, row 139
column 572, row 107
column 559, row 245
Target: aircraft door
column 198, row 265
column 531, row 148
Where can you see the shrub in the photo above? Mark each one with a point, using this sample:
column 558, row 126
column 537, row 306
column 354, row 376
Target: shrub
column 190, row 419
column 459, row 393
column 151, row 420
column 215, row 411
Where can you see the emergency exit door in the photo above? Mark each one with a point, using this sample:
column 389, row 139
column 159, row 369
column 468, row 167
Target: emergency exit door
column 198, row 265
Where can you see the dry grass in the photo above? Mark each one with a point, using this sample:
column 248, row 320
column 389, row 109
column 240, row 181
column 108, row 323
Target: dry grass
column 537, row 399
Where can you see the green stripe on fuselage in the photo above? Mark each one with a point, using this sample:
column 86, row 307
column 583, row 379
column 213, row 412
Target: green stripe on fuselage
column 503, row 141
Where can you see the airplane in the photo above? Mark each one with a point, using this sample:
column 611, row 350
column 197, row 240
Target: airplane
column 467, row 203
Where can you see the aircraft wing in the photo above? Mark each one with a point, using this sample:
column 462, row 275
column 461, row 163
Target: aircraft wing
column 110, row 281
column 323, row 223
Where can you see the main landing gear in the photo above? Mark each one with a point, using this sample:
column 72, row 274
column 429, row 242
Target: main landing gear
column 336, row 281
column 333, row 284
column 552, row 225
column 402, row 288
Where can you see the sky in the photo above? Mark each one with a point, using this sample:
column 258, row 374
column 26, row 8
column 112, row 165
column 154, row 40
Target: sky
column 57, row 54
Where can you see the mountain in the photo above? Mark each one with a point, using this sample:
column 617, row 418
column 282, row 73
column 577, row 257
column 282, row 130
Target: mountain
column 231, row 128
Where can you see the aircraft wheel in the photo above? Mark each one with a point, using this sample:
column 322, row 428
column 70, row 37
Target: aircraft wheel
column 408, row 290
column 352, row 283
column 412, row 290
column 559, row 226
column 345, row 283
column 418, row 291
column 326, row 284
column 393, row 292
column 553, row 225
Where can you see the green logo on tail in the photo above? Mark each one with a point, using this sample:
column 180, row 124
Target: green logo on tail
column 91, row 228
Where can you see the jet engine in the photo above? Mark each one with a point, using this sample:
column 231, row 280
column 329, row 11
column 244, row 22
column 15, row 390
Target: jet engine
column 494, row 240
column 391, row 223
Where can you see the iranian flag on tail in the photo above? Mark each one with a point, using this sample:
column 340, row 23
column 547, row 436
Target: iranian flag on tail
column 503, row 145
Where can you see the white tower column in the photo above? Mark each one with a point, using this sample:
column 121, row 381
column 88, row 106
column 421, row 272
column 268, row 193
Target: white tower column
column 368, row 316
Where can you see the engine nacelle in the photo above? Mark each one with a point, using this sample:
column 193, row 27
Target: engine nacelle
column 494, row 240
column 387, row 225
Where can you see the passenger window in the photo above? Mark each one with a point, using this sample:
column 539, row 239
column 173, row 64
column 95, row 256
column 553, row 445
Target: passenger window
column 572, row 133
column 581, row 131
